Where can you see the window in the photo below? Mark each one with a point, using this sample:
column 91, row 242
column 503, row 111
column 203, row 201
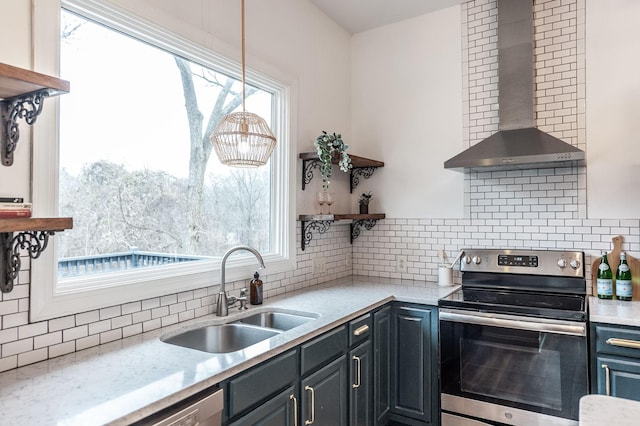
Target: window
column 153, row 209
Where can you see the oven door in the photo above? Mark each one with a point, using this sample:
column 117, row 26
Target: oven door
column 510, row 369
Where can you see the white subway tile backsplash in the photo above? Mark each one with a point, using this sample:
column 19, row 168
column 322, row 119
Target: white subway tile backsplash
column 17, row 347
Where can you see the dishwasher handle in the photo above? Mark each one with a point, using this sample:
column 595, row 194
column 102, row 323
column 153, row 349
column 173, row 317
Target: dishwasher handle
column 204, row 411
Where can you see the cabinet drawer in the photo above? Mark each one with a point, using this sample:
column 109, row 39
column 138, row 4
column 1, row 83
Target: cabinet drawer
column 360, row 329
column 323, row 349
column 263, row 381
column 618, row 341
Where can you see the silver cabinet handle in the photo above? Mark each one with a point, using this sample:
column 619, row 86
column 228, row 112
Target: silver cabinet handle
column 313, row 405
column 357, row 384
column 625, row 343
column 292, row 397
column 607, row 379
column 361, row 330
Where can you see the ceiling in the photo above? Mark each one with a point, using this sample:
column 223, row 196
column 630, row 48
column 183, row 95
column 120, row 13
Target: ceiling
column 361, row 15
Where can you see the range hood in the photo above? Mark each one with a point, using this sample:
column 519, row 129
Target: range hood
column 518, row 144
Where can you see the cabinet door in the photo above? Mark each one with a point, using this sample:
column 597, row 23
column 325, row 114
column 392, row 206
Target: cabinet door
column 324, row 395
column 281, row 410
column 382, row 365
column 361, row 386
column 414, row 363
column 622, row 376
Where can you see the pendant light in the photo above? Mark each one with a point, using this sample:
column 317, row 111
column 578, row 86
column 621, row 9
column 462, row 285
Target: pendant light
column 243, row 139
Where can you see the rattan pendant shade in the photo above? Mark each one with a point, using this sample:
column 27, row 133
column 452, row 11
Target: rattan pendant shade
column 243, row 139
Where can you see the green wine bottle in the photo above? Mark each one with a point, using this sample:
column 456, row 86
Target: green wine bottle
column 605, row 279
column 624, row 289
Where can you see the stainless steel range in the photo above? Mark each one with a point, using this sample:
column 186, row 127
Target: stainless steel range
column 513, row 340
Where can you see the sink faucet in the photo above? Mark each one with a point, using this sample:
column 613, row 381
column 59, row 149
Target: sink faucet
column 222, row 310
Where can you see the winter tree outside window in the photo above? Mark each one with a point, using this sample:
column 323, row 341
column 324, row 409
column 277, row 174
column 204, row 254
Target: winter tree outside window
column 133, row 165
column 137, row 169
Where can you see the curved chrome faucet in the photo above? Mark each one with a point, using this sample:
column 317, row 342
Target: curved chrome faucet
column 222, row 310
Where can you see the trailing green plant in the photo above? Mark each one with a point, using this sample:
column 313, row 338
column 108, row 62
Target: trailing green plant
column 327, row 145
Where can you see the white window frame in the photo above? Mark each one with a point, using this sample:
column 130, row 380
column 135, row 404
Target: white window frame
column 46, row 299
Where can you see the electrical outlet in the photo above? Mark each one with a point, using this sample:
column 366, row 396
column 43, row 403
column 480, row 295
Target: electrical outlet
column 401, row 264
column 319, row 265
column 348, row 260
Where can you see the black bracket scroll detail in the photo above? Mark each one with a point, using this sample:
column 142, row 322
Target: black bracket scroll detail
column 320, row 226
column 357, row 224
column 27, row 107
column 307, row 171
column 34, row 242
column 356, row 174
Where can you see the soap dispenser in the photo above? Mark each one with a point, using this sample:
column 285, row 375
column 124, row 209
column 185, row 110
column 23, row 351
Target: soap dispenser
column 255, row 296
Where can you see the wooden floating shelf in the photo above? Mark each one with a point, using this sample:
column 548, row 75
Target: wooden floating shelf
column 28, row 235
column 320, row 223
column 361, row 167
column 16, row 81
column 36, row 224
column 356, row 162
column 334, row 217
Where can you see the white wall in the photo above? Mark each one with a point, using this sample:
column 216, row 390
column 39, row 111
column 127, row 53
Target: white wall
column 407, row 111
column 613, row 108
column 15, row 49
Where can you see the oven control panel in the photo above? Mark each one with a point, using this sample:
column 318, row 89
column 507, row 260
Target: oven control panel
column 517, row 260
column 533, row 262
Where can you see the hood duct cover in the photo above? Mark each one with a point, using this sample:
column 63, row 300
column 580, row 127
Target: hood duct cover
column 518, row 144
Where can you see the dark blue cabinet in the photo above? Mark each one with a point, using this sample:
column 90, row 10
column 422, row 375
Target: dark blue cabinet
column 361, row 386
column 281, row 410
column 615, row 365
column 378, row 369
column 324, row 395
column 382, row 365
column 414, row 364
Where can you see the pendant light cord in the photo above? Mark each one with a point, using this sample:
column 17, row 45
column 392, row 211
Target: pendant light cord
column 243, row 50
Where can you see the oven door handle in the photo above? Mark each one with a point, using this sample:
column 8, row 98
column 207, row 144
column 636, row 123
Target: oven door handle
column 510, row 321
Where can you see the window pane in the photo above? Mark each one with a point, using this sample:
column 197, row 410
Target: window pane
column 137, row 171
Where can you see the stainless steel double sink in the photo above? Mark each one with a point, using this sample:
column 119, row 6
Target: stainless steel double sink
column 240, row 333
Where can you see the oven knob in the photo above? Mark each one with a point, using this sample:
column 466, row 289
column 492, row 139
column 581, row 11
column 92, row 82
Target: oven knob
column 562, row 263
column 477, row 260
column 467, row 260
column 575, row 264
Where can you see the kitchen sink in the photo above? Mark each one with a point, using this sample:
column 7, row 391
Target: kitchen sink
column 276, row 320
column 223, row 338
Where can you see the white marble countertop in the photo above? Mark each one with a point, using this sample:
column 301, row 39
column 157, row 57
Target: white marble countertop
column 124, row 381
column 614, row 312
column 598, row 410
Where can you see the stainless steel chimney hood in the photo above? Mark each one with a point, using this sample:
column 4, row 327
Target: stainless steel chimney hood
column 518, row 144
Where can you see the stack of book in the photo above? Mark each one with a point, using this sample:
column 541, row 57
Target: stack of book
column 14, row 208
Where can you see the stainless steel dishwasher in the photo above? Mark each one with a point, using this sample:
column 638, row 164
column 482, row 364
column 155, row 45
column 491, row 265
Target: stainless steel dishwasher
column 202, row 409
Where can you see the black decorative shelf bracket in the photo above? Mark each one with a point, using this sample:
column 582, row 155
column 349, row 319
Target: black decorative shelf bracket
column 307, row 171
column 356, row 173
column 34, row 242
column 321, row 226
column 27, row 107
column 357, row 224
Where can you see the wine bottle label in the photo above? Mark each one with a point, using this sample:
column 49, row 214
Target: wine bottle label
column 605, row 287
column 624, row 267
column 623, row 288
column 603, row 267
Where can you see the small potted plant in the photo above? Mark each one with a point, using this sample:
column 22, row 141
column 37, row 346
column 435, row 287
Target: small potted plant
column 329, row 146
column 365, row 198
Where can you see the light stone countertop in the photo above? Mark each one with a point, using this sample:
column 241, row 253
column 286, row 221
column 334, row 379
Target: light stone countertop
column 614, row 312
column 124, row 381
column 598, row 410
